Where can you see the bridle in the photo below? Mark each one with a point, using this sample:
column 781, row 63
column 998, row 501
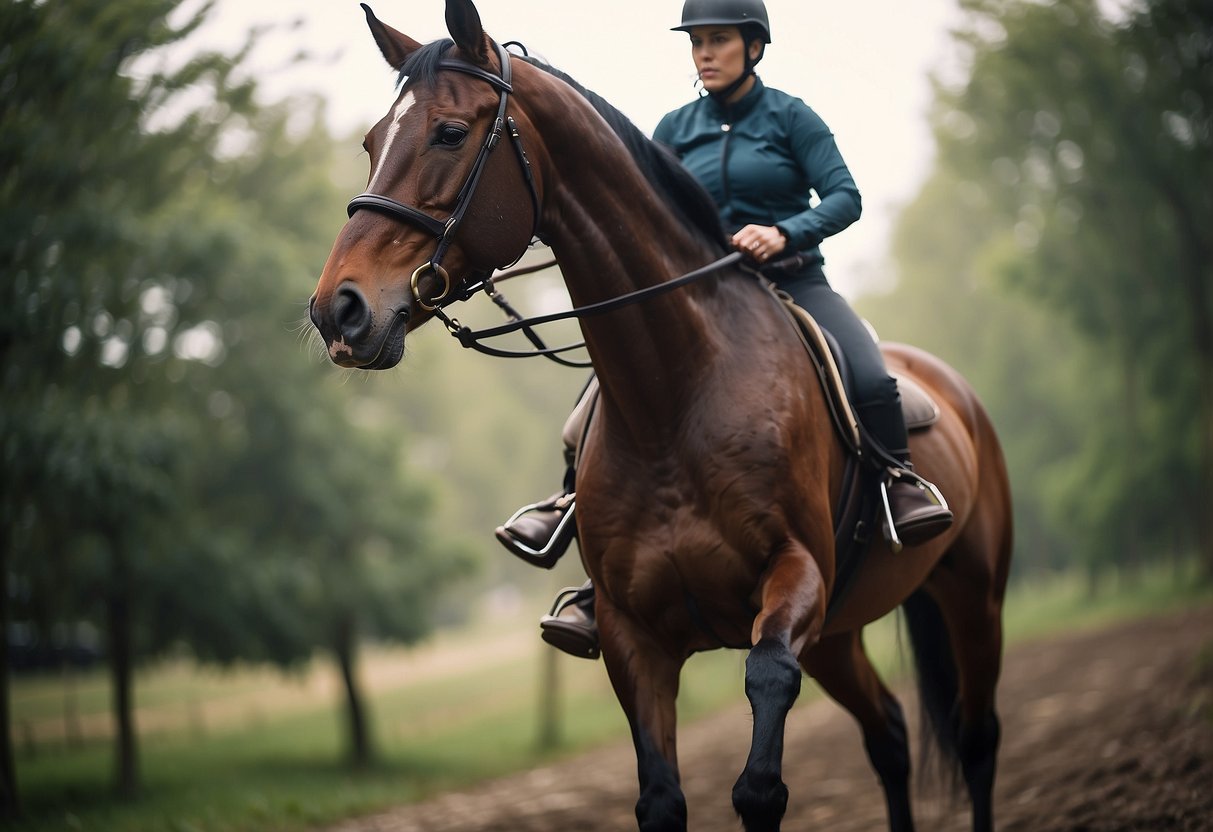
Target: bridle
column 445, row 231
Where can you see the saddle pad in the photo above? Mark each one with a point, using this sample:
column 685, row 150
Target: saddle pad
column 831, row 378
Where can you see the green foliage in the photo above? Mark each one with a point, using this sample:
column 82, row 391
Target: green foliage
column 947, row 244
column 167, row 443
column 1073, row 174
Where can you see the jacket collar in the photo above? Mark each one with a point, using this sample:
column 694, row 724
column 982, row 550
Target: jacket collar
column 738, row 109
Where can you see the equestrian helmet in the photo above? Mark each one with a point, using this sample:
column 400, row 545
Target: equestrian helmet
column 748, row 13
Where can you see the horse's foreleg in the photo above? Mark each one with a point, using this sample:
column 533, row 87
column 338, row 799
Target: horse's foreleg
column 840, row 664
column 645, row 679
column 791, row 615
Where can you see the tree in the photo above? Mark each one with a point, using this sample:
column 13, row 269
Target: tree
column 76, row 183
column 359, row 557
column 172, row 469
column 1091, row 139
column 950, row 248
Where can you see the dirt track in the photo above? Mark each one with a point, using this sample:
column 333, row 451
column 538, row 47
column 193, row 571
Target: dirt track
column 1108, row 731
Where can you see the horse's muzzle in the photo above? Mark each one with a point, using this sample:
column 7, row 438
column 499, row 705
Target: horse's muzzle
column 347, row 323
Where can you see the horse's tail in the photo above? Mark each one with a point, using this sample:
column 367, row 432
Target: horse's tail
column 938, row 690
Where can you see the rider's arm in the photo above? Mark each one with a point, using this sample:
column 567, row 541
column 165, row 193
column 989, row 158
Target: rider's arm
column 817, row 153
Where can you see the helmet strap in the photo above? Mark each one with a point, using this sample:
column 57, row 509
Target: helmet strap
column 724, row 94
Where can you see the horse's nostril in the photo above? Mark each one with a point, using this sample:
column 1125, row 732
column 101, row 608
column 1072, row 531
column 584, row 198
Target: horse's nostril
column 351, row 313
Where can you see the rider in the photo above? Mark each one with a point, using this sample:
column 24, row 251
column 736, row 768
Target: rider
column 758, row 152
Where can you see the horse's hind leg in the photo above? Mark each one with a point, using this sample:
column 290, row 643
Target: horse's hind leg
column 956, row 655
column 841, row 666
column 964, row 596
column 792, row 610
column 645, row 679
column 955, row 627
column 956, row 630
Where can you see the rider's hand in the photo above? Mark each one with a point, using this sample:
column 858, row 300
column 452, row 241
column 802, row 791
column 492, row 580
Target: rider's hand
column 761, row 242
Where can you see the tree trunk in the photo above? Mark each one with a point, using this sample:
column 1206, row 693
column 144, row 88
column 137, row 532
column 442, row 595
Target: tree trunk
column 122, row 661
column 9, row 805
column 1201, row 308
column 1204, row 483
column 360, row 751
column 1204, row 531
column 549, row 701
column 1194, row 272
column 1129, row 556
column 72, row 732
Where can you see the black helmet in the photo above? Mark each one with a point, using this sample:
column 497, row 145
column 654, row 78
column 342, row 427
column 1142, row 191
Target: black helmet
column 751, row 13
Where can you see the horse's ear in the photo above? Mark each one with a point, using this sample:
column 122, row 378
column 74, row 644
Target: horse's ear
column 395, row 46
column 463, row 22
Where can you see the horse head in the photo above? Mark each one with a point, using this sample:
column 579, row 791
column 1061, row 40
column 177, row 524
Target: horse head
column 441, row 210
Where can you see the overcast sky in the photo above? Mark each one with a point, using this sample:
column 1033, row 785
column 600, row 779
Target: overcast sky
column 861, row 64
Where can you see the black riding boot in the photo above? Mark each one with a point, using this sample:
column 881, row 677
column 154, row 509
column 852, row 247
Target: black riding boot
column 571, row 626
column 916, row 507
column 541, row 532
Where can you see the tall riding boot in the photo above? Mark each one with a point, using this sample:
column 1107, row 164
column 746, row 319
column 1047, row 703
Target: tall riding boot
column 571, row 625
column 916, row 507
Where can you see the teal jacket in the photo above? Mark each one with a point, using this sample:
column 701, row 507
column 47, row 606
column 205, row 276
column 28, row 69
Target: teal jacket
column 759, row 158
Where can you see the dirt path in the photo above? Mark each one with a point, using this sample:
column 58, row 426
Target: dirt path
column 1108, row 731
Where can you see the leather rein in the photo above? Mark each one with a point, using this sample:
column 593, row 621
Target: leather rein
column 444, row 232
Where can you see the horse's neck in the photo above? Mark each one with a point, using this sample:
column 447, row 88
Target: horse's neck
column 645, row 354
column 613, row 235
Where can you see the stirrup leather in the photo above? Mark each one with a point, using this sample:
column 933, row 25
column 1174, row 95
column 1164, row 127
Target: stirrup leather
column 556, row 545
column 889, row 527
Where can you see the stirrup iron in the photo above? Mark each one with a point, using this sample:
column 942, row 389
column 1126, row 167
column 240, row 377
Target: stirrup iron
column 569, row 596
column 890, row 528
column 556, row 545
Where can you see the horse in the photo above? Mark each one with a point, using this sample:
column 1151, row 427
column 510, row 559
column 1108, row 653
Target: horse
column 708, row 478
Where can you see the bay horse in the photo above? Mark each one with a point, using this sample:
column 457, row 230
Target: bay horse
column 707, row 481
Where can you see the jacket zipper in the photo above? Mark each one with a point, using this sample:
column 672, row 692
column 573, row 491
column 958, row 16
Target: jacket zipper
column 727, row 129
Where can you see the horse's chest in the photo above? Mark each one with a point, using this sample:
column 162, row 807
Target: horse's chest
column 678, row 567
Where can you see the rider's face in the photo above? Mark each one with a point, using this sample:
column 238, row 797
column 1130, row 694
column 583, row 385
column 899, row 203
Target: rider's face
column 719, row 55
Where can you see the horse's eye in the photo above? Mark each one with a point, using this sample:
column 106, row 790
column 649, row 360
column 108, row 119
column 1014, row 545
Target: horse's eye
column 451, row 135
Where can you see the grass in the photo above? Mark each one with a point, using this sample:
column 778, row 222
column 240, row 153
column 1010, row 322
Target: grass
column 249, row 750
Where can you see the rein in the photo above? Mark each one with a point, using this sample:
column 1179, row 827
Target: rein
column 471, row 339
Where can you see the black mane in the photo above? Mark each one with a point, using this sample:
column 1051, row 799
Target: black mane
column 679, row 190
